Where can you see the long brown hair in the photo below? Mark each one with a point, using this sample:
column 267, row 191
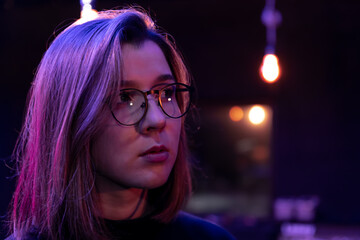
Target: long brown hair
column 77, row 76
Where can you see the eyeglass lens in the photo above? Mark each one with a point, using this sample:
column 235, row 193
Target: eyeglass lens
column 131, row 104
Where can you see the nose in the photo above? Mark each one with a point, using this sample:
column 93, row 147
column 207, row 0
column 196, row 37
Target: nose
column 155, row 118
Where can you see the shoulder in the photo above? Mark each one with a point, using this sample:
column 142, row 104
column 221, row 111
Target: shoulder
column 187, row 226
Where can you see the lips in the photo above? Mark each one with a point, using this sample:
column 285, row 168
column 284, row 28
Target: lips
column 156, row 154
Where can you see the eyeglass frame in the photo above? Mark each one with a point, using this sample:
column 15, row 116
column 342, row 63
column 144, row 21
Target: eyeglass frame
column 157, row 91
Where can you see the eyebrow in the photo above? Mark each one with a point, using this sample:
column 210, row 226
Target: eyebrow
column 159, row 80
column 165, row 77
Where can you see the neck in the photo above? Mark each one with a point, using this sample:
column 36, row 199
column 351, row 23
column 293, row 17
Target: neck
column 120, row 203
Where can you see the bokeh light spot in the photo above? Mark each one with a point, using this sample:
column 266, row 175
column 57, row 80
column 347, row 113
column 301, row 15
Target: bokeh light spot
column 236, row 113
column 257, row 114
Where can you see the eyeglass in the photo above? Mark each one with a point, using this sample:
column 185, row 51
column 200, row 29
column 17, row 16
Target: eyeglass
column 132, row 104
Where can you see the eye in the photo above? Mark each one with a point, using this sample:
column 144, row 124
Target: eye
column 128, row 98
column 168, row 93
column 125, row 97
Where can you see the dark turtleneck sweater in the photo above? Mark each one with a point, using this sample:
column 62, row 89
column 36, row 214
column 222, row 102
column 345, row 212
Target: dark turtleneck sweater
column 184, row 226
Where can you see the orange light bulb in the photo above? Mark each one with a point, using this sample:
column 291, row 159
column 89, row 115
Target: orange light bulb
column 270, row 70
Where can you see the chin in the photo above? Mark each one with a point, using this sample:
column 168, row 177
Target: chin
column 155, row 182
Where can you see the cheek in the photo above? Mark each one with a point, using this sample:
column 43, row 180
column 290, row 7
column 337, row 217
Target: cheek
column 108, row 147
column 101, row 149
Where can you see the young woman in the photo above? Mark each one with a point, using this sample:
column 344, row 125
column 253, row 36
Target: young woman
column 102, row 153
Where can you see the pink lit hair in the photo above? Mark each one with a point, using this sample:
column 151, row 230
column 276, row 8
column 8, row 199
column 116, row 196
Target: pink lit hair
column 77, row 77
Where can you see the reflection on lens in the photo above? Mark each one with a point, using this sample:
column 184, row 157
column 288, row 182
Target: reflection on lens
column 168, row 101
column 171, row 98
column 130, row 106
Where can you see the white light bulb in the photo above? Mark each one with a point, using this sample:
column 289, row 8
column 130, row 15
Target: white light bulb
column 86, row 2
column 87, row 7
column 87, row 12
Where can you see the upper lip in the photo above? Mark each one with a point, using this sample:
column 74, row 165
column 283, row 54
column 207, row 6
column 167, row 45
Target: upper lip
column 155, row 149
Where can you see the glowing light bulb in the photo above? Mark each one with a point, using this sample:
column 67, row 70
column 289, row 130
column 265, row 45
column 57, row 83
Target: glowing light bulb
column 236, row 113
column 86, row 7
column 257, row 115
column 270, row 69
column 87, row 12
column 86, row 2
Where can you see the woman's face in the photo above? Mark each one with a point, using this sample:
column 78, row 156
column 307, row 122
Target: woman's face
column 143, row 155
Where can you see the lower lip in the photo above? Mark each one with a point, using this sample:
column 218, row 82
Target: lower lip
column 156, row 157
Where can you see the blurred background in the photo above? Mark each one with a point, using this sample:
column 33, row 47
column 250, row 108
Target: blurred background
column 291, row 171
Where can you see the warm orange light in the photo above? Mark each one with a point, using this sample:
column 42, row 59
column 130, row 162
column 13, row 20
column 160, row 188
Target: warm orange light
column 236, row 113
column 257, row 115
column 270, row 69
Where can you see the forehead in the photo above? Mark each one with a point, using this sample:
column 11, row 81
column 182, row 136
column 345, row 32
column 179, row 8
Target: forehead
column 143, row 65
